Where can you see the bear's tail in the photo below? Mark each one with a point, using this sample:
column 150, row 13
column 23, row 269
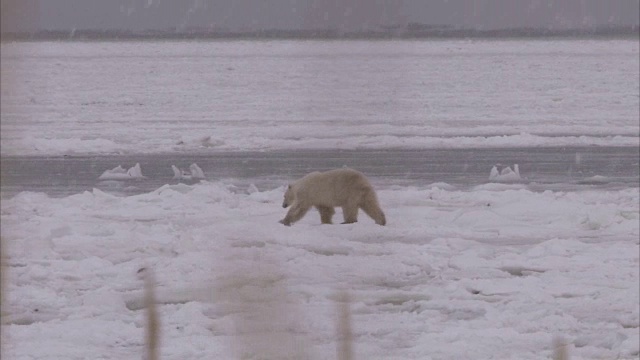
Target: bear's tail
column 372, row 208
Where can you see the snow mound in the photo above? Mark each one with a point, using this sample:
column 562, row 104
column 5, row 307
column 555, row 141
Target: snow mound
column 119, row 173
column 506, row 174
column 194, row 172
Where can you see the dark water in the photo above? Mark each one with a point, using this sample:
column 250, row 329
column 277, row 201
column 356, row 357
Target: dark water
column 541, row 168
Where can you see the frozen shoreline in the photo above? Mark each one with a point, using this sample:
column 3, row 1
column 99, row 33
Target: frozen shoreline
column 353, row 137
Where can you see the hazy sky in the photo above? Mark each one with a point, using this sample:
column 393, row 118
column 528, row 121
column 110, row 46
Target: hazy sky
column 20, row 15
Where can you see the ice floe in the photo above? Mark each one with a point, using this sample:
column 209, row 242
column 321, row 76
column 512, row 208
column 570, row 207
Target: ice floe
column 119, row 173
column 505, row 173
column 194, row 173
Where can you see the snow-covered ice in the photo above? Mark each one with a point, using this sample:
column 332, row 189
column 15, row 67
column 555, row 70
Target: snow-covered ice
column 208, row 96
column 494, row 272
column 498, row 270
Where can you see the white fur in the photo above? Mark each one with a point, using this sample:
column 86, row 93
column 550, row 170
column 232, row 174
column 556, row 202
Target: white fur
column 345, row 188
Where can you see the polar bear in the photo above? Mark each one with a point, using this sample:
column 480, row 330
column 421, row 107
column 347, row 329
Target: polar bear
column 344, row 187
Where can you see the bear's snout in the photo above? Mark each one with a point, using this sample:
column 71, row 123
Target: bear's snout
column 284, row 205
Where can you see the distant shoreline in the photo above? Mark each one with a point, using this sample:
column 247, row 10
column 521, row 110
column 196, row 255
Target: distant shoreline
column 411, row 31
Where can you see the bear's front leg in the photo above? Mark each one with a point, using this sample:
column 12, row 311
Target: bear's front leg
column 294, row 214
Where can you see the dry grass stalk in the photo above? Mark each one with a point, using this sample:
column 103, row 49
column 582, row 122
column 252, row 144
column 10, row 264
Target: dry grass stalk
column 344, row 334
column 152, row 328
column 560, row 349
column 3, row 274
column 266, row 319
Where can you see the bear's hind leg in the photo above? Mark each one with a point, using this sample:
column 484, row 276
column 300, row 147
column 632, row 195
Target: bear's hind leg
column 326, row 213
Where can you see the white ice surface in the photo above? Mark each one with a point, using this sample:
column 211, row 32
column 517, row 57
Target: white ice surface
column 494, row 272
column 150, row 97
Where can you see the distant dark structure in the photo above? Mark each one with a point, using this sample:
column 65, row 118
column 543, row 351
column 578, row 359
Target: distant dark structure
column 316, row 18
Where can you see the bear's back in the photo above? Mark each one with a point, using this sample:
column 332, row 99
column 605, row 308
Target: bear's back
column 343, row 178
column 347, row 175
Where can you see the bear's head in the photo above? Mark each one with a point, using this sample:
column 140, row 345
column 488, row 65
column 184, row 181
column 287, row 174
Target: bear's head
column 289, row 197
